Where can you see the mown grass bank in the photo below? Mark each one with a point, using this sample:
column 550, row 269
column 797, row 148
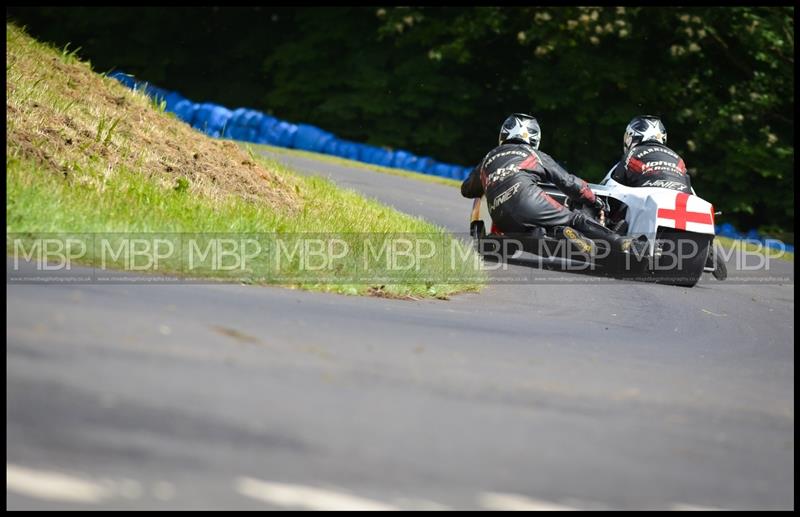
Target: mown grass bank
column 85, row 155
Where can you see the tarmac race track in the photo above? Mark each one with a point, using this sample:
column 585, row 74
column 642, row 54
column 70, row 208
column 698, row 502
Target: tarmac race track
column 534, row 395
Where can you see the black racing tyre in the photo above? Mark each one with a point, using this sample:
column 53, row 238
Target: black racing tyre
column 720, row 268
column 683, row 257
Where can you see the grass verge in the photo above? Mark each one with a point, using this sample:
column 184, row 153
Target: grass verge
column 87, row 157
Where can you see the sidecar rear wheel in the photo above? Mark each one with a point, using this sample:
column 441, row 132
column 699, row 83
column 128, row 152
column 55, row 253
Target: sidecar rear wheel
column 683, row 257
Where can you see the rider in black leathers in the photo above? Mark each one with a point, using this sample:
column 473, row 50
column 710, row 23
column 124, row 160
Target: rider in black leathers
column 647, row 161
column 509, row 175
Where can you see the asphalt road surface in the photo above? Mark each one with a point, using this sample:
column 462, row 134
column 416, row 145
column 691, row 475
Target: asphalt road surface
column 550, row 393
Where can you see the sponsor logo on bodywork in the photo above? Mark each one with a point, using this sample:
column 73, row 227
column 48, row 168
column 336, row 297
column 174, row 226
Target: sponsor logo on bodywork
column 674, row 185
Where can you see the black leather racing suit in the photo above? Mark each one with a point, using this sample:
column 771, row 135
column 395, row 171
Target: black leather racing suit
column 652, row 165
column 509, row 175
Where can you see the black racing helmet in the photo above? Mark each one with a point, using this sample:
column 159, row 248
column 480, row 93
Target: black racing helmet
column 521, row 128
column 643, row 128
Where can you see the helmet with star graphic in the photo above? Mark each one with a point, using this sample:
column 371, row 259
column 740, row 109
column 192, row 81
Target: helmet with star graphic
column 644, row 128
column 520, row 128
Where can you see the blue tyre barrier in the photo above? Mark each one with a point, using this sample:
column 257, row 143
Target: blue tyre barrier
column 185, row 111
column 211, row 119
column 311, row 138
column 173, row 98
column 346, row 149
column 281, row 133
column 267, row 122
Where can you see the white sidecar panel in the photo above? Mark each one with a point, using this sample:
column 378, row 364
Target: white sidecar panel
column 649, row 208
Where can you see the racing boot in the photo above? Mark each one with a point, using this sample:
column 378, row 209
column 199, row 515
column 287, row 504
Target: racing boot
column 597, row 232
column 578, row 241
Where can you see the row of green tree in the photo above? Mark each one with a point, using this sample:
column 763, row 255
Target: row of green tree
column 438, row 81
